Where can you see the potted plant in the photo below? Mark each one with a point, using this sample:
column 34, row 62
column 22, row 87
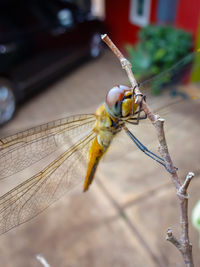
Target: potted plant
column 158, row 49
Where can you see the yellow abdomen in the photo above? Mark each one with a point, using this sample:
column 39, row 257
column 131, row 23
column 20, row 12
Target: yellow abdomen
column 104, row 134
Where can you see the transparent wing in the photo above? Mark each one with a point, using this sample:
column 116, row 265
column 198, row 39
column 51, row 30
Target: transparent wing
column 34, row 195
column 23, row 149
column 177, row 74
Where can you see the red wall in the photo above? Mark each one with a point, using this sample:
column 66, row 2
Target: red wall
column 188, row 13
column 119, row 28
column 122, row 31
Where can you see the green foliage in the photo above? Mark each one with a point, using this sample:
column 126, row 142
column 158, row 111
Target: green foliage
column 159, row 48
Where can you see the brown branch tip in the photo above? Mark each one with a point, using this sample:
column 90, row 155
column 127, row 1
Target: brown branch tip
column 171, row 238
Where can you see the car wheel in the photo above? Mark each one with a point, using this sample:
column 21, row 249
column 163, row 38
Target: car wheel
column 95, row 45
column 7, row 101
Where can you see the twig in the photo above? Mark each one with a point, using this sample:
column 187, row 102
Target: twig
column 171, row 238
column 183, row 244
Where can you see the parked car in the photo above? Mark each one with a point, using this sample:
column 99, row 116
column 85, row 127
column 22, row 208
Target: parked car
column 38, row 40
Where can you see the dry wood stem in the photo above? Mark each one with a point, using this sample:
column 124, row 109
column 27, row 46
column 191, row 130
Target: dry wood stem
column 183, row 245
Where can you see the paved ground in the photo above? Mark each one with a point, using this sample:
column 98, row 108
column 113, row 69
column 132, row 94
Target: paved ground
column 123, row 218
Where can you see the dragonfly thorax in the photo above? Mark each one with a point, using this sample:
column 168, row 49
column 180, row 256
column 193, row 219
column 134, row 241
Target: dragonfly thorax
column 120, row 102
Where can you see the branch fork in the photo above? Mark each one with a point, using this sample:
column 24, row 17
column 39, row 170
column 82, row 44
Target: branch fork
column 182, row 191
column 183, row 244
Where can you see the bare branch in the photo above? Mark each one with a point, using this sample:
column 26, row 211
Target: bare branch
column 171, row 238
column 183, row 244
column 186, row 247
column 163, row 149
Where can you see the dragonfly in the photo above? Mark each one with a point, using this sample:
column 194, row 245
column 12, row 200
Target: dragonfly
column 73, row 148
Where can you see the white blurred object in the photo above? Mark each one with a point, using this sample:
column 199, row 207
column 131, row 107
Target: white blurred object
column 98, row 8
column 196, row 218
column 41, row 259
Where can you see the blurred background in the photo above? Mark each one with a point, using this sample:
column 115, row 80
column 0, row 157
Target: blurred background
column 53, row 64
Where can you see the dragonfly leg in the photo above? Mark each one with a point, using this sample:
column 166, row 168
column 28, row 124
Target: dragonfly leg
column 146, row 150
column 132, row 120
column 138, row 118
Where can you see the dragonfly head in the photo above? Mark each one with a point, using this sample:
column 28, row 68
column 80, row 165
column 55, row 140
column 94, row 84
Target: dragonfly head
column 120, row 102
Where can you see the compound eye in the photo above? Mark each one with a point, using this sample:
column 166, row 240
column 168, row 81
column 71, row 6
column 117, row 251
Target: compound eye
column 116, row 95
